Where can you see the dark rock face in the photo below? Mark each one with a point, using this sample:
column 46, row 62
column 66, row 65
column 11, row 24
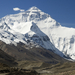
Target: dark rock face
column 24, row 52
column 7, row 59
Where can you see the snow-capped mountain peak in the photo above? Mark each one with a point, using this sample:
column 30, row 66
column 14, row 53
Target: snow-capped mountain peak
column 34, row 9
column 37, row 27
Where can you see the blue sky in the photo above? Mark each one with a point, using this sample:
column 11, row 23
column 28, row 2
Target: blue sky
column 63, row 11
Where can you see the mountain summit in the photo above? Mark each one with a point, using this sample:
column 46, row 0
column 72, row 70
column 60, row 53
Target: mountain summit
column 39, row 29
column 34, row 9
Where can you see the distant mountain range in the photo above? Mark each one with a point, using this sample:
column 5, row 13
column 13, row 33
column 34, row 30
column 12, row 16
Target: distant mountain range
column 25, row 34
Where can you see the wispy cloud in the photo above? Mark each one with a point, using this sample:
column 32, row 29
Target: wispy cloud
column 18, row 9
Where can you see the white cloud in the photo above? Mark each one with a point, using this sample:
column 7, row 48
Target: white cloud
column 18, row 9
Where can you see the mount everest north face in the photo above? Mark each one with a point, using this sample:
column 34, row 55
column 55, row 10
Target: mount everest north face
column 39, row 29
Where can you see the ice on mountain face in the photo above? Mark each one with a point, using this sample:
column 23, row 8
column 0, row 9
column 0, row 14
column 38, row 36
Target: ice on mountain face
column 38, row 28
column 63, row 40
column 36, row 35
column 35, row 14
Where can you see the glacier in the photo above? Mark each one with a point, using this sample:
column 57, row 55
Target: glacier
column 39, row 28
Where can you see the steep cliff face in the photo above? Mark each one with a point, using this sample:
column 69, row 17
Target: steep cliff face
column 38, row 28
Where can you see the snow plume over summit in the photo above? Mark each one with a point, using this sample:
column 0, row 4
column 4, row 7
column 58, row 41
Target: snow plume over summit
column 39, row 29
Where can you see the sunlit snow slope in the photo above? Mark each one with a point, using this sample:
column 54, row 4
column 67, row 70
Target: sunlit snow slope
column 38, row 28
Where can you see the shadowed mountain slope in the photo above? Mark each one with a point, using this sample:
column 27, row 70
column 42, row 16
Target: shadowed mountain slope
column 7, row 59
column 25, row 52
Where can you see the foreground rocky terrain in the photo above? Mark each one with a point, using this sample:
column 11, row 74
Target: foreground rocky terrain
column 23, row 58
column 38, row 68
